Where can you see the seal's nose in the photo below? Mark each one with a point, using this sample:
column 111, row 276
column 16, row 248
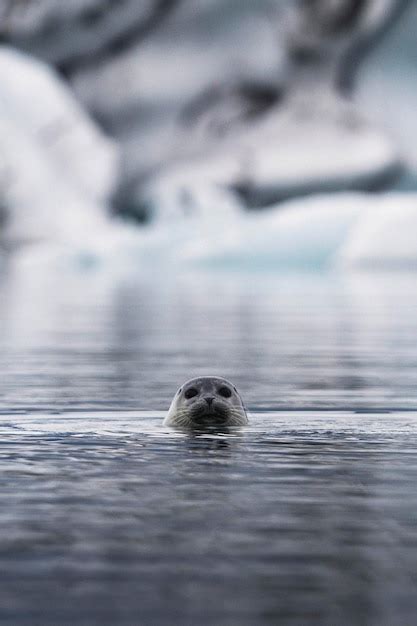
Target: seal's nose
column 209, row 400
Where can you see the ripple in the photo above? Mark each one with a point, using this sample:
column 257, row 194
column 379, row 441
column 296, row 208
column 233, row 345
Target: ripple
column 300, row 514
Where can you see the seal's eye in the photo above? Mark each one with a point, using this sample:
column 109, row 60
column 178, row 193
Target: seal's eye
column 190, row 393
column 225, row 392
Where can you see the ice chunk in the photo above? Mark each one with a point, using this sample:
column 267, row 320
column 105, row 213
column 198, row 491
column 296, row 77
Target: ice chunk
column 386, row 235
column 41, row 105
column 57, row 169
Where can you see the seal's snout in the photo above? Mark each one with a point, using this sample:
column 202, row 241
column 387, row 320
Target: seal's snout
column 209, row 400
column 209, row 419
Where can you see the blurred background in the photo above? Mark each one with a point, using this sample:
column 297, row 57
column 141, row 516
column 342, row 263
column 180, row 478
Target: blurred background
column 177, row 111
column 215, row 185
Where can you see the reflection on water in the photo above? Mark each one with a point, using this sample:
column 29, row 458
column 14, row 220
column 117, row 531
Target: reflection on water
column 287, row 342
column 302, row 518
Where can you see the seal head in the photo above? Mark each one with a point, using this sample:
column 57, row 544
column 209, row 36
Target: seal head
column 207, row 401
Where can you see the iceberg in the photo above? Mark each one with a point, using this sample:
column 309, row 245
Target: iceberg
column 203, row 225
column 209, row 134
column 343, row 232
column 264, row 86
column 57, row 170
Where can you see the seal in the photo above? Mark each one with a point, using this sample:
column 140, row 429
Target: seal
column 208, row 401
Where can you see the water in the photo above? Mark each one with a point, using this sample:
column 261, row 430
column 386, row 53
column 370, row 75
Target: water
column 305, row 517
column 288, row 342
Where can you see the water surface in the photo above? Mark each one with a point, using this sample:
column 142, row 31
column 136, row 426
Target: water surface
column 308, row 516
column 114, row 342
column 302, row 518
